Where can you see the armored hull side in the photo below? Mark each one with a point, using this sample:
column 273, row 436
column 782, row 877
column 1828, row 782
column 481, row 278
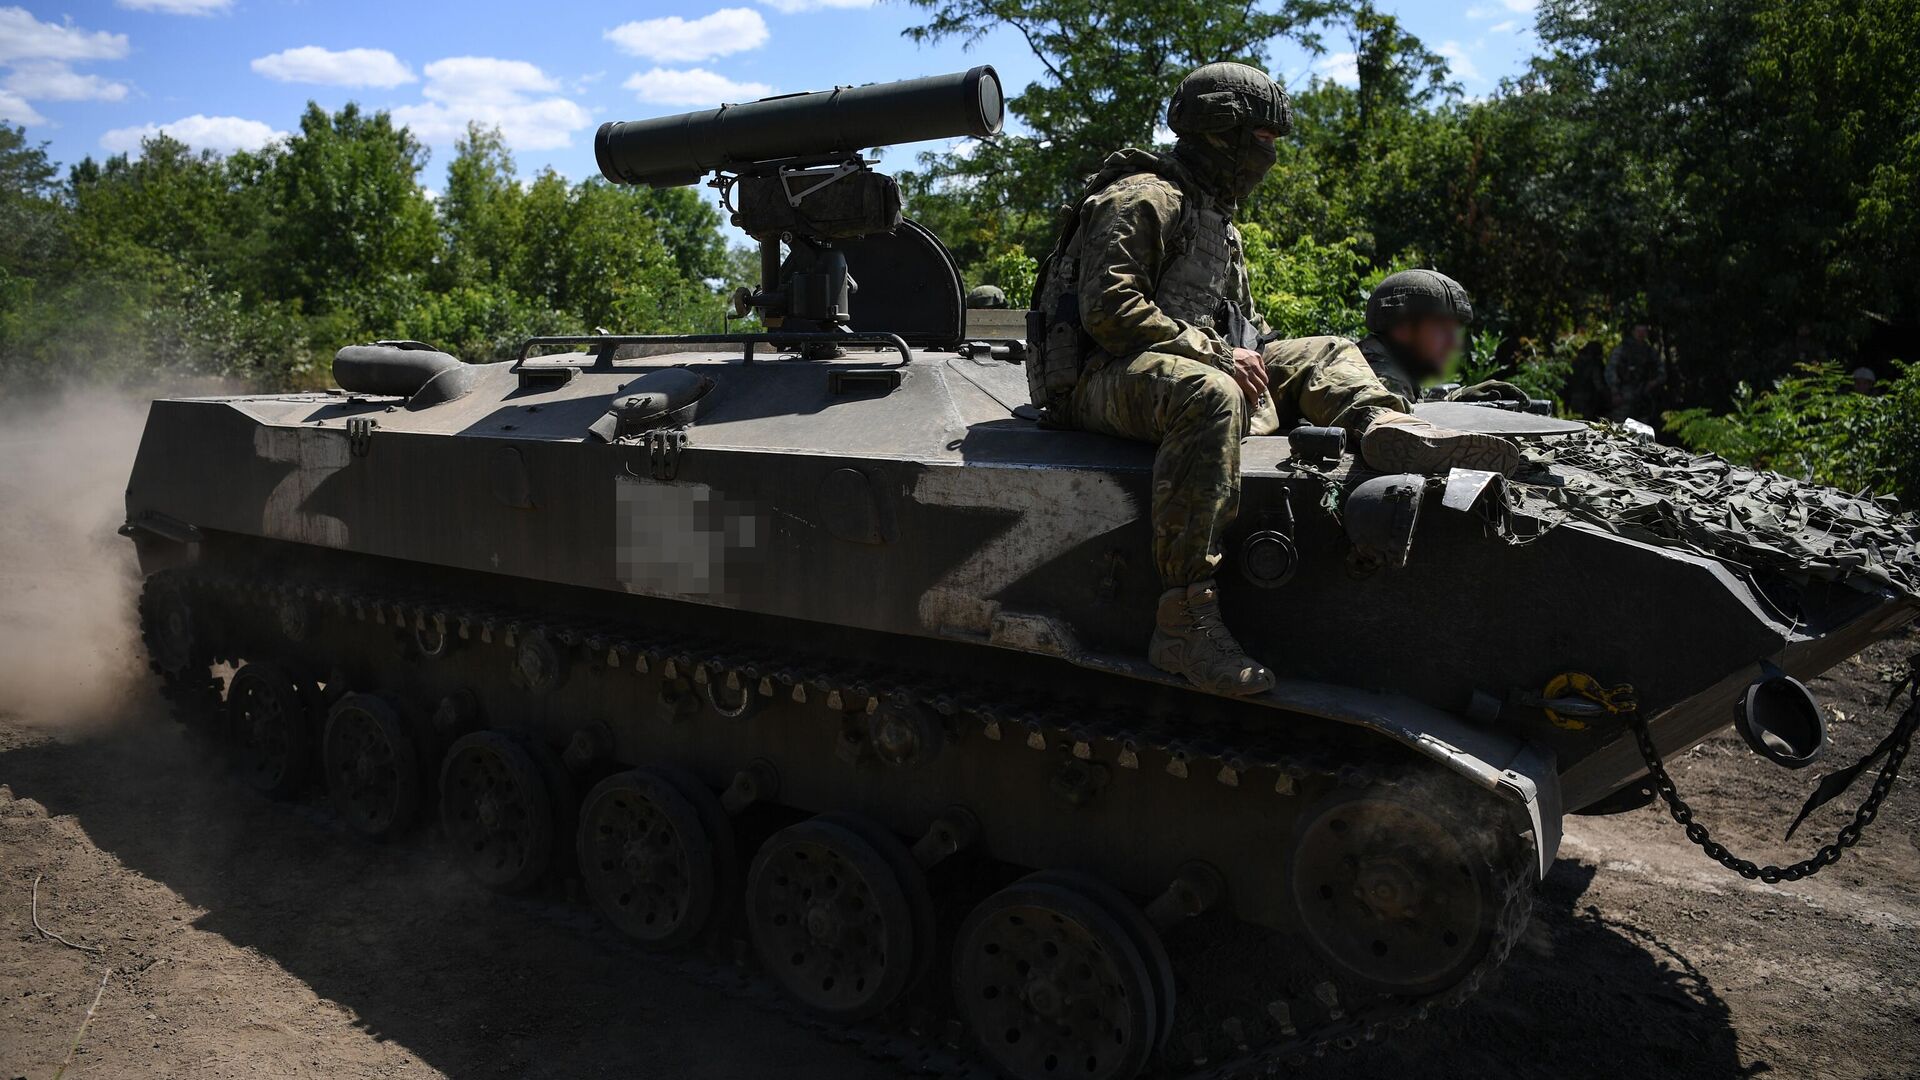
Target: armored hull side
column 931, row 509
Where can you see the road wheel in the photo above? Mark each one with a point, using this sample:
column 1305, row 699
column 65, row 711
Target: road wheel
column 372, row 766
column 649, row 859
column 272, row 733
column 496, row 811
column 1394, row 889
column 1052, row 985
column 831, row 920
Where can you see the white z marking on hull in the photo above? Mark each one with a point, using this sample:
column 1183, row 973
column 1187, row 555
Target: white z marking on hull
column 1056, row 509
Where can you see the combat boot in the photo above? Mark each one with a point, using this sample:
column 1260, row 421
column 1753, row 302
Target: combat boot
column 1190, row 640
column 1399, row 443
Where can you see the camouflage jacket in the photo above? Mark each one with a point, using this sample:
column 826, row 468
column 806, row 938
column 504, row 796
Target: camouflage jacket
column 1387, row 368
column 1131, row 232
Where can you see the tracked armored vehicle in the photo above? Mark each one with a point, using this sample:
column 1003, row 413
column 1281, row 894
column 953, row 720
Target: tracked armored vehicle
column 809, row 644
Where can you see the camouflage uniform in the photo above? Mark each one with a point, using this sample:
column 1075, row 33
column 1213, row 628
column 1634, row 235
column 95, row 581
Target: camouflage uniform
column 1138, row 308
column 1165, row 379
column 1386, row 367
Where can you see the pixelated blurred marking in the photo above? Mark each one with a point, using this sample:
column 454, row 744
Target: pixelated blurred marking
column 683, row 540
column 315, row 455
column 1056, row 510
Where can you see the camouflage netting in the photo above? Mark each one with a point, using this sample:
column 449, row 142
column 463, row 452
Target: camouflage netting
column 1704, row 504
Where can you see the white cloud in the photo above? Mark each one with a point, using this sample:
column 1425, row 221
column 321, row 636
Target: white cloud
column 15, row 110
column 1502, row 7
column 1340, row 67
column 335, row 67
column 23, row 37
column 1459, row 60
column 693, row 86
column 178, row 7
column 495, row 93
column 674, row 39
column 1508, row 26
column 794, row 7
column 221, row 134
column 51, row 80
column 485, row 79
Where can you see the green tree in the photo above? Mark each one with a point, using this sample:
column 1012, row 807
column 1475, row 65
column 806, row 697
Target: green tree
column 346, row 215
column 480, row 211
column 1107, row 71
column 32, row 236
column 1757, row 166
column 166, row 206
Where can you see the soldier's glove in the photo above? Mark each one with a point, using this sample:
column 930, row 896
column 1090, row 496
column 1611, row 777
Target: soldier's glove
column 1491, row 390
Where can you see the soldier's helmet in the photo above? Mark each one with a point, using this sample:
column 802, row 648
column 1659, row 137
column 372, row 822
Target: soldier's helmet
column 1223, row 98
column 1413, row 293
column 986, row 296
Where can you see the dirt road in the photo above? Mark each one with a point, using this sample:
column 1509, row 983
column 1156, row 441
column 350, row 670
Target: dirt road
column 253, row 939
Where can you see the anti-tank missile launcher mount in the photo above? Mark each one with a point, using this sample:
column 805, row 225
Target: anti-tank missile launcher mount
column 836, row 662
column 790, row 171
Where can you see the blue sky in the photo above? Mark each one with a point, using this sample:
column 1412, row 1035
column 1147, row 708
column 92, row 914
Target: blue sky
column 93, row 77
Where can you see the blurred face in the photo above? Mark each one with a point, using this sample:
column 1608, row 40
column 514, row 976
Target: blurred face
column 1427, row 344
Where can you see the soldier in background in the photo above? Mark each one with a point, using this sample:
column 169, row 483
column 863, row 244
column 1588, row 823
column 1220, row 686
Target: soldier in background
column 1864, row 380
column 1587, row 393
column 1634, row 374
column 1146, row 309
column 986, row 296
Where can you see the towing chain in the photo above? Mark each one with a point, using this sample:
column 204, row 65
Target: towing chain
column 919, row 1044
column 1896, row 746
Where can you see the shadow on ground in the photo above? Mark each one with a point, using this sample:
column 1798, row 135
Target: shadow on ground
column 1585, row 994
column 480, row 986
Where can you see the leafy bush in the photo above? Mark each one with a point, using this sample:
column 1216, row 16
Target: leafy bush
column 1542, row 373
column 1306, row 288
column 1812, row 425
column 1012, row 269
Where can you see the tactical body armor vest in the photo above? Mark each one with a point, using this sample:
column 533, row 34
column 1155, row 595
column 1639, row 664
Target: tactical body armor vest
column 1204, row 266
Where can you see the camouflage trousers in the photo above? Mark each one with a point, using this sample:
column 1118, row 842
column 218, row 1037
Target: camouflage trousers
column 1197, row 415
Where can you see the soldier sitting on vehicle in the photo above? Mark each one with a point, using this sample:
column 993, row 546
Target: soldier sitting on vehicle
column 1143, row 327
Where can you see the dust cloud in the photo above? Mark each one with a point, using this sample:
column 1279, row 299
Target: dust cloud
column 70, row 656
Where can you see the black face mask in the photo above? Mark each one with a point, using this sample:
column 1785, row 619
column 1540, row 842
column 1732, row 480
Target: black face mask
column 1256, row 161
column 1231, row 166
